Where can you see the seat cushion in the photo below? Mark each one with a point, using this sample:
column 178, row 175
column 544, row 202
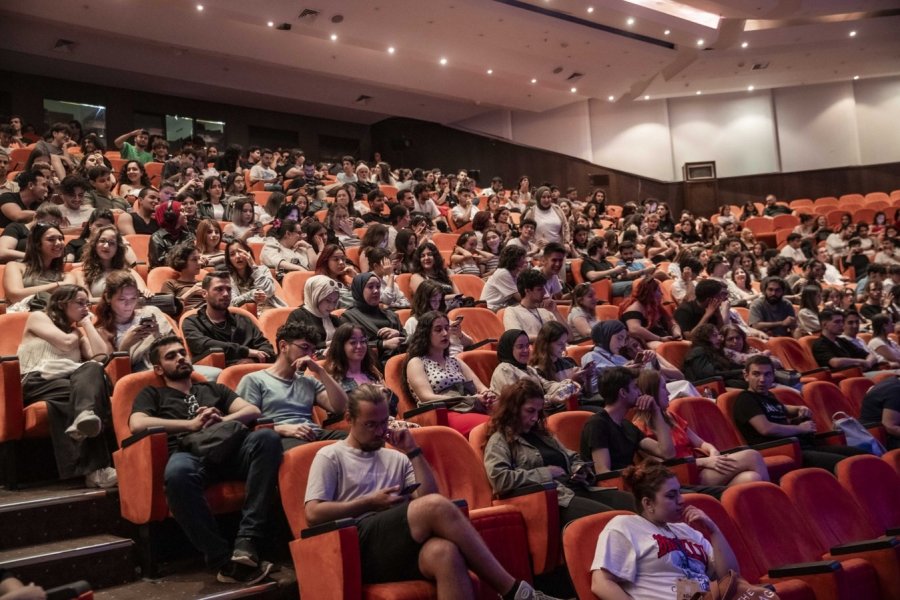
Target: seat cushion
column 37, row 425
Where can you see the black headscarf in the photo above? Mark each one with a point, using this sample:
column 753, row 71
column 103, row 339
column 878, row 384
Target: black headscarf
column 357, row 287
column 602, row 332
column 505, row 348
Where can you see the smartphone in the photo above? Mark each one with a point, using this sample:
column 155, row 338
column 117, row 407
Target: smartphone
column 408, row 490
column 146, row 321
column 258, row 225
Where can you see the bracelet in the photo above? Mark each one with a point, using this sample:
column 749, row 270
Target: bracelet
column 413, row 453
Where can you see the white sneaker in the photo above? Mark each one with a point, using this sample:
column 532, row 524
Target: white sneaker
column 102, row 478
column 526, row 592
column 86, row 425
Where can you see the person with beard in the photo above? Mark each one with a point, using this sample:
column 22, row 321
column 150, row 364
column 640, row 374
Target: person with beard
column 184, row 406
column 772, row 313
column 403, row 534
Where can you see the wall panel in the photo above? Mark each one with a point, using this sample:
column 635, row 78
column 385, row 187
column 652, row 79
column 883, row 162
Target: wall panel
column 566, row 130
column 633, row 137
column 877, row 115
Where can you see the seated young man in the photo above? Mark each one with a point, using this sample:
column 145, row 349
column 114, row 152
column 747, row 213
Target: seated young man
column 417, row 535
column 833, row 351
column 761, row 417
column 881, row 404
column 182, row 406
column 534, row 309
column 286, row 395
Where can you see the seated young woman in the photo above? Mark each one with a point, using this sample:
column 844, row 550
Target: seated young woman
column 320, row 299
column 126, row 326
column 514, row 351
column 431, row 375
column 285, row 249
column 583, row 314
column 550, row 361
column 351, row 363
column 629, row 563
column 250, row 282
column 243, row 221
column 715, row 468
column 209, row 243
column 646, row 317
column 520, row 451
column 429, row 264
column 467, row 258
column 882, row 345
column 103, row 254
column 706, row 358
column 382, row 327
column 376, row 236
column 430, row 296
column 63, row 338
column 332, row 263
column 41, row 271
column 185, row 259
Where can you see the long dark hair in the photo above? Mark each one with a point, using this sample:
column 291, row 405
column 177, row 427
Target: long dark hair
column 439, row 269
column 123, row 174
column 541, row 358
column 56, row 305
column 505, row 416
column 115, row 282
column 336, row 362
column 34, row 262
column 244, row 281
column 421, row 302
column 420, row 343
column 700, row 339
column 93, row 266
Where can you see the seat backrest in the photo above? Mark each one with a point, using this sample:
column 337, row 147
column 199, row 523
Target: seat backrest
column 674, row 352
column 13, row 326
column 785, row 221
column 566, row 427
column 773, row 530
column 393, row 379
column 576, row 353
column 272, row 319
column 158, row 276
column 830, row 512
column 126, row 390
column 140, row 243
column 791, row 354
column 478, row 323
column 824, row 399
column 445, row 241
column 607, row 312
column 603, row 291
column 892, row 457
column 231, row 376
column 575, row 269
column 788, row 396
column 402, row 281
column 458, row 470
column 478, row 438
column 760, row 224
column 482, row 362
column 707, row 421
column 749, row 568
column 292, row 478
column 468, row 285
column 875, row 486
column 580, row 543
column 854, row 389
column 292, row 284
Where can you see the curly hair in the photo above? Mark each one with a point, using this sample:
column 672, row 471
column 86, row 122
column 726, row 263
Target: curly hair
column 700, row 339
column 505, row 417
column 93, row 264
column 420, row 343
column 123, row 173
column 336, row 362
column 439, row 269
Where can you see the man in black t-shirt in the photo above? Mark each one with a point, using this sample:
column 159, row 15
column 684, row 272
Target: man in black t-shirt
column 760, row 417
column 710, row 300
column 881, row 404
column 595, row 267
column 835, row 352
column 183, row 406
column 19, row 207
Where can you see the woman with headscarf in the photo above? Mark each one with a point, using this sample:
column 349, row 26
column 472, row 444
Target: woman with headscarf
column 514, row 350
column 611, row 338
column 320, row 298
column 382, row 327
column 172, row 230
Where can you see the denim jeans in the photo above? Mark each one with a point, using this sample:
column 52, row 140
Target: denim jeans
column 187, row 476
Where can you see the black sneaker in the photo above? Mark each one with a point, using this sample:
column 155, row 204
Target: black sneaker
column 237, row 573
column 245, row 552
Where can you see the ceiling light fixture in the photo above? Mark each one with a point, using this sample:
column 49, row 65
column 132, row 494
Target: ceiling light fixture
column 750, row 88
column 443, row 61
column 630, row 21
column 490, row 71
column 700, row 42
column 590, row 9
column 699, row 92
column 391, row 50
column 646, row 97
column 573, row 90
column 852, row 34
column 681, row 10
column 533, row 80
column 271, row 23
column 667, row 32
column 200, row 8
column 855, row 77
column 744, row 45
column 611, row 98
column 333, row 37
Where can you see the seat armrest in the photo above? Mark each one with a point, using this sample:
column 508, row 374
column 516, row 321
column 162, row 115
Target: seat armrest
column 434, row 413
column 76, row 589
column 216, row 358
column 893, row 531
column 814, row 371
column 477, row 345
column 531, row 488
column 788, row 441
column 139, row 436
column 329, row 421
column 735, row 449
column 865, row 546
column 539, row 505
column 818, row 567
column 712, row 379
column 420, row 410
column 829, row 438
column 326, row 528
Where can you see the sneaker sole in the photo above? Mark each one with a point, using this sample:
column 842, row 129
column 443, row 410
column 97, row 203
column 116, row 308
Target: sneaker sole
column 90, row 427
column 265, row 568
column 244, row 559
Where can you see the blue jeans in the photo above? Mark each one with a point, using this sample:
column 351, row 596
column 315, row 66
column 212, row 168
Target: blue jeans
column 187, row 476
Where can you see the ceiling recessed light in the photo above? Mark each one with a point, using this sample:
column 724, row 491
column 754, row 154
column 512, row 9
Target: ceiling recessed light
column 271, row 23
column 749, row 88
column 590, row 9
column 391, row 50
column 533, row 80
column 630, row 21
column 573, row 90
column 200, row 7
column 699, row 92
column 646, row 97
column 611, row 98
column 667, row 32
column 744, row 45
column 852, row 34
column 700, row 42
column 855, row 77
column 490, row 71
column 443, row 61
column 333, row 37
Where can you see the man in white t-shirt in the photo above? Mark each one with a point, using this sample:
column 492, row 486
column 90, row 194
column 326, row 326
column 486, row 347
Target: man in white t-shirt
column 423, row 202
column 464, row 211
column 553, row 259
column 406, row 531
column 535, row 308
column 263, row 171
column 500, row 289
column 74, row 211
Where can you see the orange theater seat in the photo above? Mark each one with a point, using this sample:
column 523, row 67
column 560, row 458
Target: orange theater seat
column 425, row 415
column 479, row 323
column 580, row 543
column 292, row 284
column 875, row 486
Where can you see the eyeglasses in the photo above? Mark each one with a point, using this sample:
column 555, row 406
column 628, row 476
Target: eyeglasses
column 107, row 243
column 303, row 347
column 81, row 303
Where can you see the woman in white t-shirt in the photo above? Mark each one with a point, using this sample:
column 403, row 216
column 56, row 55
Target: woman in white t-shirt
column 654, row 553
column 881, row 344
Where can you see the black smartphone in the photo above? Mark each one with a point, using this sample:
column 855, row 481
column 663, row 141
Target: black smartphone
column 408, row 490
column 146, row 321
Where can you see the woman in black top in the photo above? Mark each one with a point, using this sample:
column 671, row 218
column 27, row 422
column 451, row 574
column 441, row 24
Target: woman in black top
column 382, row 327
column 707, row 358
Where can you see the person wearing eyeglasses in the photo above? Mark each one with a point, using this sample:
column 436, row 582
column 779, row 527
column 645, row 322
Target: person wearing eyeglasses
column 183, row 406
column 55, row 355
column 286, row 394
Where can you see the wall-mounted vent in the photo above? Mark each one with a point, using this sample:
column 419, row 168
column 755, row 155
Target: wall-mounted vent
column 557, row 70
column 759, row 66
column 363, row 99
column 283, row 27
column 308, row 14
column 65, row 46
column 575, row 76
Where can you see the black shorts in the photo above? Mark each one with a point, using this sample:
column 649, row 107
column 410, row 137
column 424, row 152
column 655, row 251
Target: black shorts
column 387, row 549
